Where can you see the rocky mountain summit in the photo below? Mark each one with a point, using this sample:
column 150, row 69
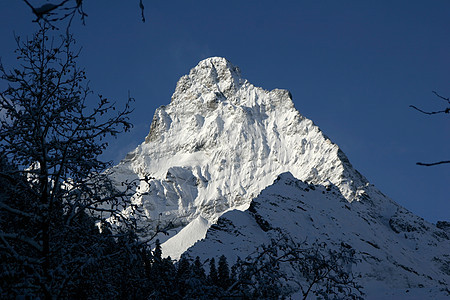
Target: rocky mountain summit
column 214, row 154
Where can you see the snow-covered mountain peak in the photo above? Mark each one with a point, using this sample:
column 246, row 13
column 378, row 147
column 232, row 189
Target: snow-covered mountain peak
column 214, row 75
column 223, row 149
column 221, row 141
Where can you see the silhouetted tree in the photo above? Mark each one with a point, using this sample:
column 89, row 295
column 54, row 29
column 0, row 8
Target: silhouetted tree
column 51, row 134
column 320, row 271
column 213, row 277
column 197, row 270
column 162, row 280
column 183, row 275
column 223, row 272
column 51, row 13
column 157, row 252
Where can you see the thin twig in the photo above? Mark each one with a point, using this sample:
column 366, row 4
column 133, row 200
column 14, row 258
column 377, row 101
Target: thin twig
column 446, row 111
column 433, row 164
column 141, row 6
column 442, row 97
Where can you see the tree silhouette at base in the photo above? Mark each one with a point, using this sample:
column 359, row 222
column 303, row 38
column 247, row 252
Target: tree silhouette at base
column 57, row 192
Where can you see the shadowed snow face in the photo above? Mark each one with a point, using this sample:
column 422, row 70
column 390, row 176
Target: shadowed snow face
column 221, row 141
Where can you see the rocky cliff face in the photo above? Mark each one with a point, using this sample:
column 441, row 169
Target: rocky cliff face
column 400, row 256
column 222, row 140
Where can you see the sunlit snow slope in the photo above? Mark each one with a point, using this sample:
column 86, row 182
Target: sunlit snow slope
column 221, row 141
column 401, row 256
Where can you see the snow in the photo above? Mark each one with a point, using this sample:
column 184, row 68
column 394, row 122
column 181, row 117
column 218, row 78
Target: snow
column 232, row 139
column 222, row 142
column 189, row 235
column 392, row 262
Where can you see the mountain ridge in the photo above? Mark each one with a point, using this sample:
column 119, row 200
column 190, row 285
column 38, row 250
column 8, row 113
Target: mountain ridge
column 215, row 114
column 221, row 142
column 404, row 258
column 217, row 123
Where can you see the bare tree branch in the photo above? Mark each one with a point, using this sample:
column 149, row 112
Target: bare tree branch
column 433, row 164
column 141, row 6
column 446, row 111
column 443, row 98
column 49, row 212
column 51, row 13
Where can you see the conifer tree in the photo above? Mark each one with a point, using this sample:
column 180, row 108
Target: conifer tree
column 183, row 275
column 223, row 273
column 213, row 277
column 157, row 252
column 197, row 270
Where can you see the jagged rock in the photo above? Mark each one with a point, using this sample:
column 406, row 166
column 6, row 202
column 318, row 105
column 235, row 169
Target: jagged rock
column 235, row 139
column 389, row 264
column 221, row 141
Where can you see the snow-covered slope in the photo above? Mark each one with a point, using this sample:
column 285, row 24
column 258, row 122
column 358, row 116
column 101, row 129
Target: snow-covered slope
column 222, row 140
column 402, row 257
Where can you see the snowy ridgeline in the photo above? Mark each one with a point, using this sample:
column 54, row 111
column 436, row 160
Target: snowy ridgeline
column 401, row 256
column 221, row 142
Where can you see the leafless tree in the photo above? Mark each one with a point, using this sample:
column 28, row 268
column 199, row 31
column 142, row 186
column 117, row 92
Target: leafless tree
column 52, row 13
column 318, row 270
column 55, row 189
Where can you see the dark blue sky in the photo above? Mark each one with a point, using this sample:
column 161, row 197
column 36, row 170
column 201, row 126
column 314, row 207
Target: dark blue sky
column 353, row 67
